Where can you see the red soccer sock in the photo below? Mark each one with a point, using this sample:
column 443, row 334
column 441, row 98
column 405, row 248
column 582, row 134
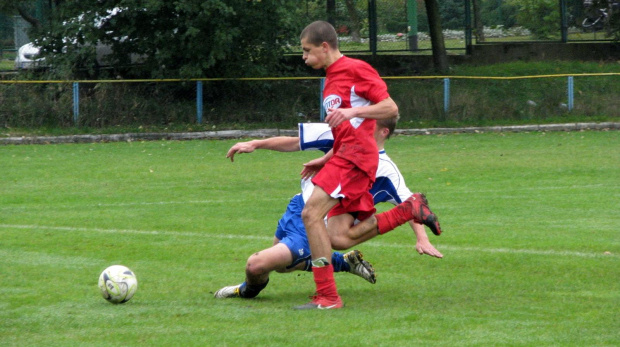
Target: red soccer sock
column 325, row 282
column 389, row 220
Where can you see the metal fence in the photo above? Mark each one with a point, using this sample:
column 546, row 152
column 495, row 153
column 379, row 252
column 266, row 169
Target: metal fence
column 7, row 40
column 423, row 100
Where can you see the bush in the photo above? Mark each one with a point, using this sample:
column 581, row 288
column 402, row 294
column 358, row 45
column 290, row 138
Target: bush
column 396, row 27
column 540, row 17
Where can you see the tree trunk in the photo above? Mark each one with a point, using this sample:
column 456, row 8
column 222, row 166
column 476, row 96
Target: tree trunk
column 28, row 18
column 478, row 22
column 440, row 57
column 355, row 21
column 331, row 12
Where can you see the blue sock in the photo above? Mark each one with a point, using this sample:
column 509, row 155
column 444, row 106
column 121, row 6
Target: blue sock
column 337, row 262
column 249, row 291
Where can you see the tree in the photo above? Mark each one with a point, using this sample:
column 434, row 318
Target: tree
column 479, row 27
column 541, row 17
column 356, row 23
column 184, row 38
column 331, row 11
column 452, row 14
column 21, row 7
column 498, row 12
column 440, row 57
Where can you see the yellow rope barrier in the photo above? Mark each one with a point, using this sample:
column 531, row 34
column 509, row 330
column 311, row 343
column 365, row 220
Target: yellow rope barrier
column 169, row 80
column 506, row 77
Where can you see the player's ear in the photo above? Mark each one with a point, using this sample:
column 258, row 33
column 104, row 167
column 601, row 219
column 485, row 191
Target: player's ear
column 325, row 47
column 385, row 132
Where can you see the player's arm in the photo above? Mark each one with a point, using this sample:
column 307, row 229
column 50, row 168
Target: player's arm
column 383, row 109
column 423, row 244
column 279, row 143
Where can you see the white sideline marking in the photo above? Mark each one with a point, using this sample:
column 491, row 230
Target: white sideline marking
column 121, row 204
column 518, row 189
column 129, row 231
column 124, row 204
column 199, row 202
column 252, row 237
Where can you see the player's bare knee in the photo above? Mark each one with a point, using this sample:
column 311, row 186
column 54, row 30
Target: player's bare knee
column 309, row 216
column 254, row 270
column 254, row 266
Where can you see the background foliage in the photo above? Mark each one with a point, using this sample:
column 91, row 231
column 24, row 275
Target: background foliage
column 185, row 38
column 241, row 38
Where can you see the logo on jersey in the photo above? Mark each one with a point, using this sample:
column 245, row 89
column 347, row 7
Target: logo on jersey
column 332, row 101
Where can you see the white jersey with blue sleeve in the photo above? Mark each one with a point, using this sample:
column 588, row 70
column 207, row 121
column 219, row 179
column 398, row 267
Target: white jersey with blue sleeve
column 315, row 136
column 389, row 185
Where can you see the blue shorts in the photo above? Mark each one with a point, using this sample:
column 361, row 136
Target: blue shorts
column 292, row 233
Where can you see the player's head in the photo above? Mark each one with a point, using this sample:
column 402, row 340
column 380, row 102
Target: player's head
column 318, row 32
column 319, row 43
column 385, row 127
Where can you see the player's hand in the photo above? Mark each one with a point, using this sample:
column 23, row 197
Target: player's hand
column 335, row 116
column 312, row 167
column 240, row 147
column 425, row 247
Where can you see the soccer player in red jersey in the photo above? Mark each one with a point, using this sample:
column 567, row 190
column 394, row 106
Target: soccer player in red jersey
column 354, row 96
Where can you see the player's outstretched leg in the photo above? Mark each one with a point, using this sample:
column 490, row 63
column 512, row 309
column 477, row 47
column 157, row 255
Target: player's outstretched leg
column 414, row 208
column 243, row 290
column 359, row 266
column 422, row 213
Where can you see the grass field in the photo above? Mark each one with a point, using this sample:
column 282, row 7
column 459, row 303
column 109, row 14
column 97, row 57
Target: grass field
column 531, row 246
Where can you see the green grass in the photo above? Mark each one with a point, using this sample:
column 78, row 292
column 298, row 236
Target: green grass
column 531, row 247
column 6, row 65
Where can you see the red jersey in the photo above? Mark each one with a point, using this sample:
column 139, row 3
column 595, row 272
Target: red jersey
column 354, row 83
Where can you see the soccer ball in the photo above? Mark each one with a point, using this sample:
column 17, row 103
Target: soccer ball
column 118, row 284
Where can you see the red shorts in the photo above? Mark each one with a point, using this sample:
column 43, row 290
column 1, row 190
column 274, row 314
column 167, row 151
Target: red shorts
column 344, row 181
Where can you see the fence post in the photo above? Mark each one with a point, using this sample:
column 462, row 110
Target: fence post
column 372, row 26
column 199, row 102
column 412, row 24
column 446, row 94
column 76, row 102
column 321, row 108
column 468, row 27
column 563, row 22
column 571, row 93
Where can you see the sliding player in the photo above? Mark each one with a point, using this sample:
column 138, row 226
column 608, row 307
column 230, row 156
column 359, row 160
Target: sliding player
column 291, row 250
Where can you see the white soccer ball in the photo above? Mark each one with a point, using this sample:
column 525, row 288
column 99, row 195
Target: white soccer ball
column 118, row 284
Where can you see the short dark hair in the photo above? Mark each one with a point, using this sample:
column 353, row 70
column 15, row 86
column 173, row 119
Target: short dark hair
column 389, row 123
column 319, row 32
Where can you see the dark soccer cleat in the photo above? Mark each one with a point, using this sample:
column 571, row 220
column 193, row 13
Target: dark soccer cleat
column 321, row 303
column 417, row 206
column 359, row 266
